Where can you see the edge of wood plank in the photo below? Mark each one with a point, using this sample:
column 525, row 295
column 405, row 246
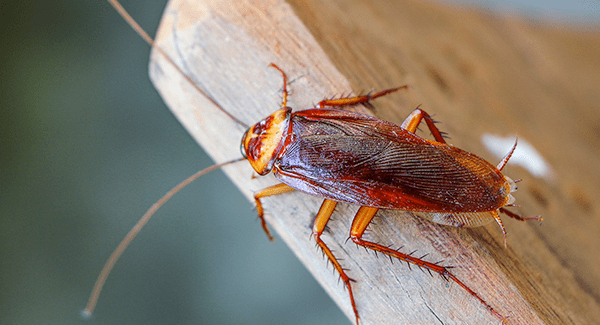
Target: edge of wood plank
column 226, row 48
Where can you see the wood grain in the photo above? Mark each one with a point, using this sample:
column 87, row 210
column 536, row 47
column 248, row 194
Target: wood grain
column 478, row 72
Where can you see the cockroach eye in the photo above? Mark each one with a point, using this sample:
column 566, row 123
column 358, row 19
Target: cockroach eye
column 242, row 146
column 243, row 150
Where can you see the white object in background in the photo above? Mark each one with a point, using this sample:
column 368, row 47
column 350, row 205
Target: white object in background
column 525, row 155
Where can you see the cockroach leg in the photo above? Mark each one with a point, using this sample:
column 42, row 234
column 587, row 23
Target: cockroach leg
column 349, row 101
column 361, row 222
column 269, row 191
column 514, row 216
column 499, row 221
column 411, row 123
column 321, row 220
column 518, row 217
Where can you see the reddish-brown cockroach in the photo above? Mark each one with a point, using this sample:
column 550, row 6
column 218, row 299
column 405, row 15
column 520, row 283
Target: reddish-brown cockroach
column 348, row 157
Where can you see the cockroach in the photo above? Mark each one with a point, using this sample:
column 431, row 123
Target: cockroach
column 353, row 158
column 347, row 157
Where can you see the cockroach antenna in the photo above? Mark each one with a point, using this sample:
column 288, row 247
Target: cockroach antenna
column 138, row 226
column 87, row 312
column 138, row 29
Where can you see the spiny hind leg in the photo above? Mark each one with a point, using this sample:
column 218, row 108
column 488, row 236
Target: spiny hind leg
column 321, row 220
column 361, row 221
column 269, row 191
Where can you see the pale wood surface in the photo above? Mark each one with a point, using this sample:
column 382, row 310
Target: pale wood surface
column 478, row 73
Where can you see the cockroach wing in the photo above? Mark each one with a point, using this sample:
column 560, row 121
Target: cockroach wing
column 353, row 158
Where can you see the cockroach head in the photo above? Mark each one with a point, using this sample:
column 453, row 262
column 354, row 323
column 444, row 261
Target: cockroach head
column 263, row 141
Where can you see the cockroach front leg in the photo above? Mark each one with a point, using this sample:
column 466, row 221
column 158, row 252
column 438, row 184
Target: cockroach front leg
column 269, row 191
column 361, row 221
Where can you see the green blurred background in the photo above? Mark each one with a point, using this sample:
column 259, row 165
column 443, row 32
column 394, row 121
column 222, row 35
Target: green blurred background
column 86, row 147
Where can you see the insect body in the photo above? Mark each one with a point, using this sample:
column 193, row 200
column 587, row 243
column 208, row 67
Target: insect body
column 353, row 158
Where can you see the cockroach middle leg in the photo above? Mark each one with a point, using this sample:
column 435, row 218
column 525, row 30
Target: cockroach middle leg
column 340, row 102
column 365, row 99
column 269, row 191
column 361, row 221
column 321, row 220
column 411, row 123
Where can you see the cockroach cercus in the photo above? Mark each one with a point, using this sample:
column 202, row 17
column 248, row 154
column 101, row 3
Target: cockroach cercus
column 342, row 156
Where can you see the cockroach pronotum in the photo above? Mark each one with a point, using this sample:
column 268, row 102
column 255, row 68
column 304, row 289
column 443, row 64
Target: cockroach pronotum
column 342, row 156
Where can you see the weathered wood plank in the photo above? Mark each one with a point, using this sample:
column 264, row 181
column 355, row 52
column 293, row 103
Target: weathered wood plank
column 477, row 72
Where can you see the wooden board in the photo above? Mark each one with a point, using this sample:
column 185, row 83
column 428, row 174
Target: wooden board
column 478, row 73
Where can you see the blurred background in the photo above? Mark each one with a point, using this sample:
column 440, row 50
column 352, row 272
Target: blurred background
column 87, row 145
